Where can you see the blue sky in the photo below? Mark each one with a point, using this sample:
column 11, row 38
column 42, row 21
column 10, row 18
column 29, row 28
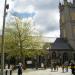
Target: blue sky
column 43, row 13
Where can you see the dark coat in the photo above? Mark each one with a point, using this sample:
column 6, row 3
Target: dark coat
column 73, row 68
column 19, row 70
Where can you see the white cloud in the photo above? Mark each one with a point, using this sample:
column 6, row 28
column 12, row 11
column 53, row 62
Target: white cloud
column 46, row 18
column 53, row 34
column 2, row 10
column 30, row 9
column 23, row 6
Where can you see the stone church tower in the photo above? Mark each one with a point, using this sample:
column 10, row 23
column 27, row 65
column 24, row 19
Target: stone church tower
column 67, row 22
column 63, row 49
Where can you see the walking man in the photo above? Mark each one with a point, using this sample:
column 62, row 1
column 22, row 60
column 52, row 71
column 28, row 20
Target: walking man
column 73, row 68
column 20, row 69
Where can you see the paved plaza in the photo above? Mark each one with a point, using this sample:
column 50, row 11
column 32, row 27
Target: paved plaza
column 43, row 72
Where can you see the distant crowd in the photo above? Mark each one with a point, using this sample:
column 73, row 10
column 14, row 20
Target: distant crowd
column 65, row 66
column 54, row 67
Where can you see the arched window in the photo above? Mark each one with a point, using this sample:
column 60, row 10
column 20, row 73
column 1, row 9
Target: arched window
column 74, row 56
column 54, row 55
column 65, row 57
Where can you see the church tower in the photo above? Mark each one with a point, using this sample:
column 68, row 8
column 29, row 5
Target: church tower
column 67, row 22
column 65, row 2
column 62, row 8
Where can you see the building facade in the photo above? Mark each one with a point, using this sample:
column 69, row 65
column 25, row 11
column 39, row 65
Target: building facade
column 67, row 22
column 63, row 49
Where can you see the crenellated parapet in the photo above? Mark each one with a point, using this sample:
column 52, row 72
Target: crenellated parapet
column 61, row 7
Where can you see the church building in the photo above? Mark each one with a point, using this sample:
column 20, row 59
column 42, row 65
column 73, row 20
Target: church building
column 63, row 49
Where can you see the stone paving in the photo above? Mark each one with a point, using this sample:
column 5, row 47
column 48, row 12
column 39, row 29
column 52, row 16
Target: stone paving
column 43, row 72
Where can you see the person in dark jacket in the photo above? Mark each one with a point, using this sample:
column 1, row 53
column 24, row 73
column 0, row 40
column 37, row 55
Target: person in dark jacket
column 20, row 69
column 73, row 68
column 54, row 65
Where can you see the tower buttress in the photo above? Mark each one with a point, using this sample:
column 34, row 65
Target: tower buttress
column 65, row 2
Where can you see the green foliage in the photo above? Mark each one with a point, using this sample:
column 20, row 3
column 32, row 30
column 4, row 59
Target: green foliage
column 19, row 42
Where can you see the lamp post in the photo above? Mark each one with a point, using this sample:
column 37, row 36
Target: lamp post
column 6, row 6
column 48, row 50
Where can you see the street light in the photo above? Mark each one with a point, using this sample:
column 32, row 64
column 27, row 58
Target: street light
column 6, row 6
column 48, row 49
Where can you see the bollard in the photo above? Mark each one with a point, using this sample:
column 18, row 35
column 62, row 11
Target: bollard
column 10, row 72
column 6, row 69
column 11, row 67
column 6, row 72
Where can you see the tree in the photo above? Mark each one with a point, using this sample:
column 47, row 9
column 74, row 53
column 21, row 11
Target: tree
column 19, row 41
column 17, row 38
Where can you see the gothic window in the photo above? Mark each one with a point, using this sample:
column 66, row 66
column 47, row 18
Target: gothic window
column 74, row 31
column 74, row 56
column 73, row 16
column 64, row 33
column 65, row 57
column 54, row 55
column 62, row 19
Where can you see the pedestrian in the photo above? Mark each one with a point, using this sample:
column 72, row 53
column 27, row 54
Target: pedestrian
column 73, row 68
column 57, row 67
column 20, row 69
column 66, row 66
column 6, row 69
column 42, row 65
column 63, row 68
column 11, row 68
column 51, row 67
column 54, row 66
